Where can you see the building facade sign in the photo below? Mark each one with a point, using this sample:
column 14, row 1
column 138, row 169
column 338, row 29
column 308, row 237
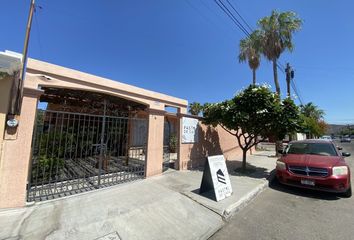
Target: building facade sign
column 189, row 130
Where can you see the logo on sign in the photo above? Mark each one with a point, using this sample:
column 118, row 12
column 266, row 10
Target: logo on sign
column 221, row 177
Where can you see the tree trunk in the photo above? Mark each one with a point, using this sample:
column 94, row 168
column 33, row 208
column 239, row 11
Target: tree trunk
column 278, row 143
column 278, row 146
column 275, row 72
column 244, row 156
column 290, row 137
column 254, row 77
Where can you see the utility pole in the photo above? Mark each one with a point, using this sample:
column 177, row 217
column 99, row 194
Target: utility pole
column 19, row 96
column 289, row 76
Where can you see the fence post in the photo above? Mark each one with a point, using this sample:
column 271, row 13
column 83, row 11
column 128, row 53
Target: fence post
column 102, row 142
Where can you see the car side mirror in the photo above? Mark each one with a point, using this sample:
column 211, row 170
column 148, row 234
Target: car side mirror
column 339, row 148
column 346, row 154
column 281, row 151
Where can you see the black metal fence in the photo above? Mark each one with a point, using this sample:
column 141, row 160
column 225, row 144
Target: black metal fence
column 75, row 152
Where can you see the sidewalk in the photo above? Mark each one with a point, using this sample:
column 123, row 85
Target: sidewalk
column 162, row 207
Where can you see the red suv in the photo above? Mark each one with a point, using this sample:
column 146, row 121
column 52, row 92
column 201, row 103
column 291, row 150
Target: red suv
column 314, row 164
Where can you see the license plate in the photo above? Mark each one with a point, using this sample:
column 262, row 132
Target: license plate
column 307, row 182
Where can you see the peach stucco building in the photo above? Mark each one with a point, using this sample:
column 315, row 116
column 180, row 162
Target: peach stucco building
column 90, row 128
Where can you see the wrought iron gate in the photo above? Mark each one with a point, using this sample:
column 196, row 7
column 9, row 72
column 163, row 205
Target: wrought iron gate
column 75, row 152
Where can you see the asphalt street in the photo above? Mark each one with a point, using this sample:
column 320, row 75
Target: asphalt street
column 282, row 212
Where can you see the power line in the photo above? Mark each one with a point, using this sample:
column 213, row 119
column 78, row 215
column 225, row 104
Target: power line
column 292, row 83
column 209, row 19
column 281, row 67
column 243, row 20
column 239, row 25
column 197, row 10
column 296, row 91
column 227, row 11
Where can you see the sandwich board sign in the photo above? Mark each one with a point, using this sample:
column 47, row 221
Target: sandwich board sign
column 216, row 178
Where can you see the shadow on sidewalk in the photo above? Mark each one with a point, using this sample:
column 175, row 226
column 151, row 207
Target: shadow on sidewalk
column 252, row 171
column 234, row 169
column 209, row 195
column 269, row 154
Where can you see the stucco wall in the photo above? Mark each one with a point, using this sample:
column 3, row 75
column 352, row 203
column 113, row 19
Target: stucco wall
column 154, row 144
column 16, row 152
column 16, row 157
column 212, row 141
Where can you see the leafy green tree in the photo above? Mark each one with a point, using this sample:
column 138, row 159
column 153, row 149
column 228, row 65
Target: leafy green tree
column 173, row 143
column 313, row 128
column 287, row 119
column 253, row 115
column 195, row 108
column 348, row 130
column 277, row 31
column 312, row 111
column 250, row 51
column 313, row 123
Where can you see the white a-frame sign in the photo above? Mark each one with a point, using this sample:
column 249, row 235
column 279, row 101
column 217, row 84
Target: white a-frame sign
column 216, row 178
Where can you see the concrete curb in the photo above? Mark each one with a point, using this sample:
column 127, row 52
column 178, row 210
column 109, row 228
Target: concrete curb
column 237, row 206
column 244, row 201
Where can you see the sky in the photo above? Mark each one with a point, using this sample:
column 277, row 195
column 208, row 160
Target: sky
column 189, row 48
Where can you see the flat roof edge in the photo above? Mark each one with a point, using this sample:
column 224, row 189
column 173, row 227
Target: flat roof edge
column 49, row 68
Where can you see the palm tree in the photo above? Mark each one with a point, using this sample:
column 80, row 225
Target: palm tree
column 312, row 111
column 277, row 31
column 313, row 122
column 195, row 108
column 250, row 50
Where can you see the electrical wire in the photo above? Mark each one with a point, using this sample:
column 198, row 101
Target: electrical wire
column 197, row 10
column 209, row 19
column 293, row 85
column 243, row 20
column 227, row 11
column 280, row 66
column 243, row 29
